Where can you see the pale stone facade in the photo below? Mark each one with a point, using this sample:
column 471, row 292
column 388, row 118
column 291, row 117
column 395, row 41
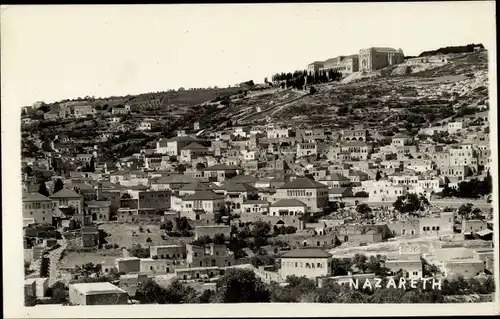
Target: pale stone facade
column 309, row 263
column 371, row 59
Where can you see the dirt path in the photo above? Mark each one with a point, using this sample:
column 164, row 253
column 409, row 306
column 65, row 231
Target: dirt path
column 275, row 108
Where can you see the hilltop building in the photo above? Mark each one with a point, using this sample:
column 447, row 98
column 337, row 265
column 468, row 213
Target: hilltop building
column 376, row 58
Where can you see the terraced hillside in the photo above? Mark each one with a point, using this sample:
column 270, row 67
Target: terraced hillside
column 387, row 103
column 386, row 100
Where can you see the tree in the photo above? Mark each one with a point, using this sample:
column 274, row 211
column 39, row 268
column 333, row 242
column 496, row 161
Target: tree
column 200, row 166
column 139, row 252
column 149, row 292
column 202, row 241
column 59, row 293
column 408, row 204
column 431, row 269
column 260, row 231
column 180, row 168
column 476, row 214
column 92, row 165
column 177, row 293
column 206, row 296
column 312, row 90
column 44, row 108
column 59, row 185
column 263, row 260
column 373, row 266
column 465, row 210
column 385, row 295
column 241, row 285
column 27, row 265
column 219, row 239
column 168, row 225
column 28, row 170
column 365, row 211
column 182, row 224
column 42, row 189
column 329, row 293
column 360, row 262
column 29, row 300
column 341, row 267
column 353, row 296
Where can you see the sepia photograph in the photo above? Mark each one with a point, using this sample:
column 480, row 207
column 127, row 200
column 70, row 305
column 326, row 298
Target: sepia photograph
column 199, row 159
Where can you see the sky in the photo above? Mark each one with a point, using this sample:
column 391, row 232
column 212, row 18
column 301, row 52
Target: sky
column 50, row 53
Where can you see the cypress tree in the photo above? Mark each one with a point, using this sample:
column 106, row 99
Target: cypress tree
column 42, row 189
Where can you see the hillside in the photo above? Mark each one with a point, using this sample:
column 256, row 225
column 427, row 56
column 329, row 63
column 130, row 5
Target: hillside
column 386, row 98
column 383, row 101
column 175, row 102
column 453, row 49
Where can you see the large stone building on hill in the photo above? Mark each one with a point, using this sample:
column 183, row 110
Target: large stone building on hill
column 368, row 59
column 343, row 64
column 377, row 58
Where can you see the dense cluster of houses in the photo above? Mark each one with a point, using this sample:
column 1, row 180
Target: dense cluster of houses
column 273, row 174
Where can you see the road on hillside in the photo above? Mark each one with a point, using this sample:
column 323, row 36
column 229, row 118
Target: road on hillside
column 273, row 109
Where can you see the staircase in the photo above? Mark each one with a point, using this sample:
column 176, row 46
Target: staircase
column 36, row 265
column 54, row 257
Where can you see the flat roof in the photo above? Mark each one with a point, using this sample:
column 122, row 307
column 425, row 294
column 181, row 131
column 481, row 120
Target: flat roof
column 97, row 288
column 195, row 268
column 126, row 258
column 306, row 253
column 167, row 246
column 213, row 226
column 403, row 261
column 464, row 261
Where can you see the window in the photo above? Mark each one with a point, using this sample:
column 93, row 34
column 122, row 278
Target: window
column 319, row 265
column 296, row 264
column 437, row 227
